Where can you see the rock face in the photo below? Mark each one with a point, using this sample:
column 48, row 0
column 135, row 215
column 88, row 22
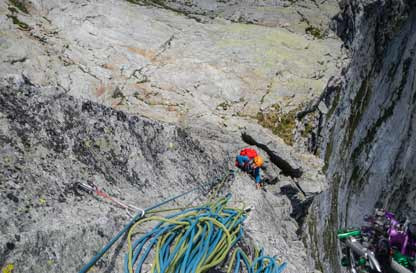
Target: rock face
column 313, row 17
column 147, row 99
column 368, row 134
column 161, row 64
column 50, row 141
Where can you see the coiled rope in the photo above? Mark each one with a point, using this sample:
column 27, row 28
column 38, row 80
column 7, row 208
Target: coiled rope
column 140, row 215
column 195, row 240
column 258, row 264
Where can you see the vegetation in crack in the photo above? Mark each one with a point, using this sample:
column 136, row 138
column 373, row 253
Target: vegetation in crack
column 281, row 124
column 326, row 96
column 397, row 200
column 396, row 64
column 20, row 5
column 160, row 3
column 331, row 224
column 118, row 94
column 308, row 129
column 328, row 150
column 312, row 225
column 358, row 107
column 315, row 32
column 413, row 88
column 21, row 25
column 14, row 7
column 102, row 153
column 312, row 30
column 386, row 113
column 335, row 103
column 358, row 178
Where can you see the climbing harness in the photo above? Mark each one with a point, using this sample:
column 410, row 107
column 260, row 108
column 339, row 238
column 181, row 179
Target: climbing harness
column 195, row 239
column 384, row 246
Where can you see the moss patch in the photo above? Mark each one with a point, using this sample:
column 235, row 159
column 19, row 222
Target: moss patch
column 312, row 224
column 357, row 180
column 386, row 114
column 328, row 151
column 281, row 124
column 223, row 106
column 358, row 106
column 308, row 129
column 159, row 3
column 19, row 5
column 334, row 103
column 315, row 32
column 21, row 25
column 270, row 46
column 358, row 176
column 331, row 225
column 12, row 9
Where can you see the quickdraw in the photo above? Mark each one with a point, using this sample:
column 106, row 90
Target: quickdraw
column 93, row 189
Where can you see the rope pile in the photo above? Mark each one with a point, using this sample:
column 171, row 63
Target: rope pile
column 195, row 240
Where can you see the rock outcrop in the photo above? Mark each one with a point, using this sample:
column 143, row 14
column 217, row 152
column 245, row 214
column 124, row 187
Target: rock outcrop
column 312, row 17
column 367, row 136
column 150, row 98
column 50, row 141
column 156, row 62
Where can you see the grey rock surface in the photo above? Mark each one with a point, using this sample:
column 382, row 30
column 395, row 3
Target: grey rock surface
column 291, row 163
column 296, row 16
column 51, row 140
column 367, row 137
column 147, row 99
column 156, row 62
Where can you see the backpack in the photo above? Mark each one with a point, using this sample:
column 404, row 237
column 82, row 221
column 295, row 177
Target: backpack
column 250, row 153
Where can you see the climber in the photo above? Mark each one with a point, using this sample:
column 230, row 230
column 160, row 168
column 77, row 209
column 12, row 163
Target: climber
column 248, row 160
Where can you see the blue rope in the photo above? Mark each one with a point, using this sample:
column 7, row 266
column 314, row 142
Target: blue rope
column 94, row 259
column 200, row 239
column 193, row 241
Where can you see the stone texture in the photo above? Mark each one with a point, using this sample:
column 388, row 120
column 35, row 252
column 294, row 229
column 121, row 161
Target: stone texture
column 295, row 16
column 148, row 100
column 51, row 140
column 367, row 137
column 155, row 62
